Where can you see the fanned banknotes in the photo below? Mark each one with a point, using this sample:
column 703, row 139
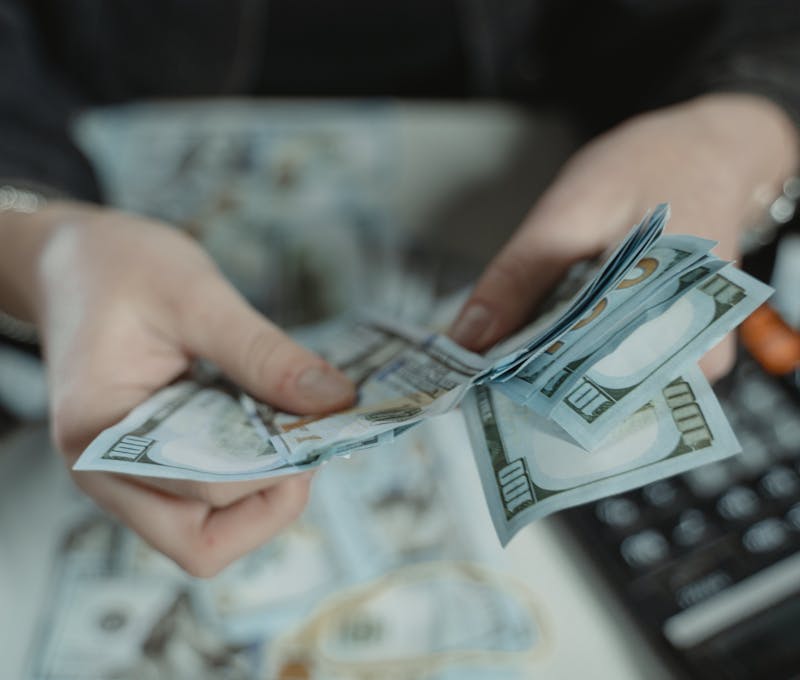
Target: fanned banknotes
column 529, row 470
column 209, row 431
column 601, row 372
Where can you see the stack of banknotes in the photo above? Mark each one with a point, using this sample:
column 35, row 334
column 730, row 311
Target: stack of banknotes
column 600, row 394
column 390, row 572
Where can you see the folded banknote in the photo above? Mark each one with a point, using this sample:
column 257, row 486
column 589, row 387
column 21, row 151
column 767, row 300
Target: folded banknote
column 589, row 375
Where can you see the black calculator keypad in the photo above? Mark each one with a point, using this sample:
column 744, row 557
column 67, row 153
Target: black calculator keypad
column 678, row 543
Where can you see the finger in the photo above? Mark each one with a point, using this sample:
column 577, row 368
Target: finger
column 555, row 235
column 219, row 325
column 102, row 377
column 512, row 285
column 214, row 494
column 201, row 540
column 719, row 360
column 248, row 524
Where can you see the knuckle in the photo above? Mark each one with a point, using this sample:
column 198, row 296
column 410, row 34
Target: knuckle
column 223, row 495
column 63, row 432
column 510, row 273
column 201, row 559
column 198, row 308
column 297, row 500
column 196, row 295
column 303, row 496
column 199, row 567
column 205, row 555
column 258, row 353
column 207, row 493
column 218, row 496
column 273, row 358
column 298, row 508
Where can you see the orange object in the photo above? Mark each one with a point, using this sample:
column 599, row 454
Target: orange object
column 771, row 342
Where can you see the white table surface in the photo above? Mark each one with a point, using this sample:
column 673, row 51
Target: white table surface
column 586, row 632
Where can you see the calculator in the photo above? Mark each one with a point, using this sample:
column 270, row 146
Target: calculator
column 708, row 562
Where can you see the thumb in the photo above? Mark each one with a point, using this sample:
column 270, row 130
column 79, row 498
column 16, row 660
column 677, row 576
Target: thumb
column 557, row 233
column 508, row 291
column 220, row 326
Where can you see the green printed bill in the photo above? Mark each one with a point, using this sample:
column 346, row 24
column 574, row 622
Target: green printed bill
column 529, row 470
column 564, row 307
column 591, row 405
column 427, row 621
column 210, row 431
column 663, row 274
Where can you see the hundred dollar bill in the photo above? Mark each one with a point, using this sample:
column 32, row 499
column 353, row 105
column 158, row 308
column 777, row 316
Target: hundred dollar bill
column 186, row 431
column 212, row 432
column 466, row 621
column 561, row 376
column 403, row 375
column 565, row 307
column 529, row 470
column 662, row 263
column 590, row 407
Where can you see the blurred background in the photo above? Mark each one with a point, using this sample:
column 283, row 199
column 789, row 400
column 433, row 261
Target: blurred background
column 394, row 571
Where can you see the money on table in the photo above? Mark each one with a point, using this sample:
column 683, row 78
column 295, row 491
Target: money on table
column 599, row 394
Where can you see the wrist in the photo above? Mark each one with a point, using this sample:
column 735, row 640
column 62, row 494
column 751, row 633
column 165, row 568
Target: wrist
column 758, row 139
column 24, row 234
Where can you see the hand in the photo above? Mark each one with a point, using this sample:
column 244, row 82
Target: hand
column 717, row 160
column 123, row 305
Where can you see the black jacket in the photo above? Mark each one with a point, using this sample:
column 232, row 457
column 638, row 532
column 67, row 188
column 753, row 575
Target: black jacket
column 602, row 60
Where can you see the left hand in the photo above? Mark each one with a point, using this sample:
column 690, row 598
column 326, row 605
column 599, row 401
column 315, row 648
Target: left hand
column 124, row 305
column 718, row 160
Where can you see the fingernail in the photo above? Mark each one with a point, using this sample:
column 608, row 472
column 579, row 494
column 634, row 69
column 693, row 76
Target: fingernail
column 471, row 326
column 324, row 385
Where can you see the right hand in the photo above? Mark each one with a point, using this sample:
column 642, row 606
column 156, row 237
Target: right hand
column 123, row 305
column 714, row 158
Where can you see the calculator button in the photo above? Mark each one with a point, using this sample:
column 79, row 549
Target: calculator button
column 760, row 396
column 787, row 431
column 617, row 512
column 754, row 456
column 702, row 588
column 709, row 480
column 691, row 528
column 793, row 517
column 765, row 536
column 661, row 494
column 645, row 548
column 780, row 482
column 739, row 502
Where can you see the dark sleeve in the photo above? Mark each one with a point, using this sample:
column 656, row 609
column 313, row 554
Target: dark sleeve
column 609, row 59
column 36, row 107
column 753, row 47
